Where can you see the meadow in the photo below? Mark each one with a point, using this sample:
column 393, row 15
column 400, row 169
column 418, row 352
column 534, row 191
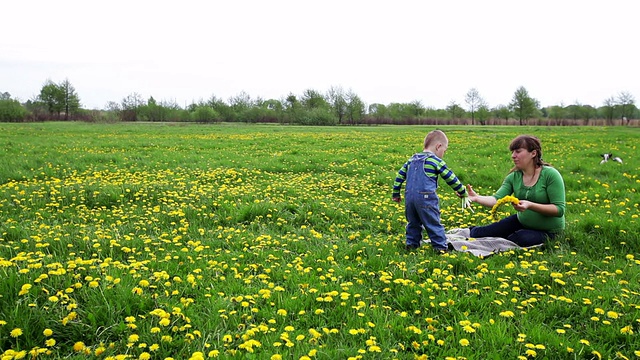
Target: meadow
column 160, row 241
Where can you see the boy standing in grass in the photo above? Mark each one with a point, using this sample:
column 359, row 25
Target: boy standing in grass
column 422, row 205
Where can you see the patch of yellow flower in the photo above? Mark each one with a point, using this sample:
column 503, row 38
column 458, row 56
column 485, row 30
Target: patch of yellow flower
column 505, row 200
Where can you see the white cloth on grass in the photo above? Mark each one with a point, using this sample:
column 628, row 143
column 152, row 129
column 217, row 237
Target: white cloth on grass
column 481, row 247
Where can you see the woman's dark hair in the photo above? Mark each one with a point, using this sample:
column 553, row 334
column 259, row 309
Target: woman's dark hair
column 530, row 143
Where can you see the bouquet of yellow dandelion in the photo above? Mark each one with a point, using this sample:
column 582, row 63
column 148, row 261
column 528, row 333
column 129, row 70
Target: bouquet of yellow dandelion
column 505, row 200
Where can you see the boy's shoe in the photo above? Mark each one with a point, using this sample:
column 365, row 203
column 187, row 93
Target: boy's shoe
column 442, row 251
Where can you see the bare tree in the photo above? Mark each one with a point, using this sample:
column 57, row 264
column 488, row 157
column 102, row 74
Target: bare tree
column 626, row 103
column 609, row 109
column 474, row 101
column 338, row 102
column 130, row 107
column 71, row 101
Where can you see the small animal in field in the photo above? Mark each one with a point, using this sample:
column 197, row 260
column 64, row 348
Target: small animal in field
column 609, row 156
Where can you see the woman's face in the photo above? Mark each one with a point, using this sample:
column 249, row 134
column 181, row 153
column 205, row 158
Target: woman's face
column 523, row 158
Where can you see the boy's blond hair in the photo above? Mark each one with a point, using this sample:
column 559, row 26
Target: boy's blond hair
column 434, row 137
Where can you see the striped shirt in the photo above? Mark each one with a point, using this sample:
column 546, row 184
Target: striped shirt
column 433, row 167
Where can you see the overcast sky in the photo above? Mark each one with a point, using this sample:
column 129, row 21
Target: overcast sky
column 561, row 51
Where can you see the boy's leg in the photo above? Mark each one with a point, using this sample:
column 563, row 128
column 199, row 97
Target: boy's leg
column 414, row 226
column 430, row 215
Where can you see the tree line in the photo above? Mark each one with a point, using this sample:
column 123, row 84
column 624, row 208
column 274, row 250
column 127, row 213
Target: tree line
column 336, row 106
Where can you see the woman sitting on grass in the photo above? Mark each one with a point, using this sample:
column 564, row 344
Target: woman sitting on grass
column 539, row 189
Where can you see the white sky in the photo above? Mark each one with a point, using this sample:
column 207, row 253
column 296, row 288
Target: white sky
column 561, row 51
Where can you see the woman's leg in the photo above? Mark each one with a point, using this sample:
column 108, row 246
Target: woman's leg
column 503, row 228
column 526, row 237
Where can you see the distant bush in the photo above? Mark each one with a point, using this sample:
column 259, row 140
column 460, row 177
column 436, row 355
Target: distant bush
column 12, row 111
column 205, row 114
column 317, row 116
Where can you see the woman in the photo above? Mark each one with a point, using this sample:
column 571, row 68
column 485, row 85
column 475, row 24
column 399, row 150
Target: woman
column 540, row 189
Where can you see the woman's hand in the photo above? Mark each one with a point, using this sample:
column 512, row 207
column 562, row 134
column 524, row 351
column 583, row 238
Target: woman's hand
column 473, row 196
column 522, row 205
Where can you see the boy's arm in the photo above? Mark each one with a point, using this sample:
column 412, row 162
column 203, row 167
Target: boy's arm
column 451, row 179
column 397, row 184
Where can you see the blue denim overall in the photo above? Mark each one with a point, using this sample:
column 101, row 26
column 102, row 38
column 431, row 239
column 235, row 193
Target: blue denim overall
column 422, row 205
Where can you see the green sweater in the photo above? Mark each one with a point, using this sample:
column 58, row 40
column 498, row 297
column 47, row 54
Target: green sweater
column 549, row 189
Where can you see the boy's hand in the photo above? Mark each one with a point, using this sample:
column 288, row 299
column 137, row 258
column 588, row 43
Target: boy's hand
column 397, row 199
column 466, row 203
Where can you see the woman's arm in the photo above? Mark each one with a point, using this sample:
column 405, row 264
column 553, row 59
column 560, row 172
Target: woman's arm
column 544, row 209
column 487, row 201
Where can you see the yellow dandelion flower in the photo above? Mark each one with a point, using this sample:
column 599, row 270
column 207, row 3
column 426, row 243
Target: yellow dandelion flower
column 627, row 330
column 78, row 346
column 464, row 342
column 505, row 200
column 47, row 332
column 16, row 332
column 50, row 342
column 612, row 314
column 507, row 313
column 531, row 353
column 25, row 289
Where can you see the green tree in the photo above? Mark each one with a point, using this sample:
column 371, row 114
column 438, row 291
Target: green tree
column 313, row 99
column 522, row 105
column 608, row 109
column 502, row 112
column 204, row 113
column 355, row 108
column 52, row 96
column 378, row 111
column 483, row 113
column 416, row 109
column 293, row 109
column 556, row 113
column 240, row 105
column 455, row 110
column 222, row 108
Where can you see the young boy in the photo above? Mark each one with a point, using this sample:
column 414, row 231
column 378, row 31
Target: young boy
column 422, row 206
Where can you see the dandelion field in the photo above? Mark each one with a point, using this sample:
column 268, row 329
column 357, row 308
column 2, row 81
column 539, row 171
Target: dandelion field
column 157, row 241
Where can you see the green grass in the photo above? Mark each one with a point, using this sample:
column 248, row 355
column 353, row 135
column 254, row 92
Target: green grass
column 261, row 242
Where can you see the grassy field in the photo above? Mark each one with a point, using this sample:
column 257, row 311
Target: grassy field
column 156, row 241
